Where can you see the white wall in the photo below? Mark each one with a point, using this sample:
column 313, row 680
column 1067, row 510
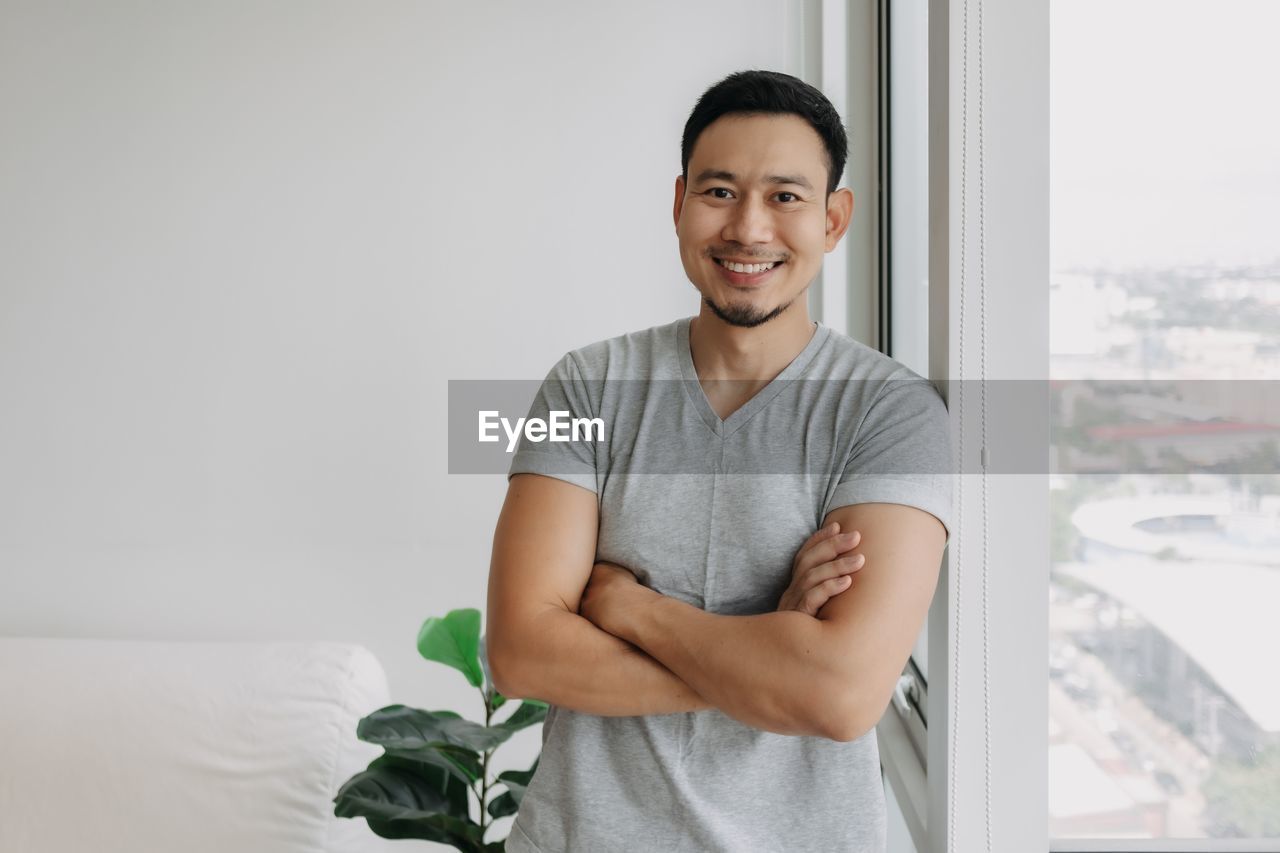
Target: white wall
column 243, row 247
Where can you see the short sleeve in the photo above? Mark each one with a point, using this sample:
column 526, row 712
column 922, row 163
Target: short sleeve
column 902, row 452
column 565, row 392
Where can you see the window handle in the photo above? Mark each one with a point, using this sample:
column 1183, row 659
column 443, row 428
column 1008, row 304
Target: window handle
column 905, row 694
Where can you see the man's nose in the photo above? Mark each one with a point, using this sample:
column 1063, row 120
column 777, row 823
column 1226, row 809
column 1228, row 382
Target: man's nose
column 751, row 222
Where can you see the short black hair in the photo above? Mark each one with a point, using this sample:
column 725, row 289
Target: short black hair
column 769, row 92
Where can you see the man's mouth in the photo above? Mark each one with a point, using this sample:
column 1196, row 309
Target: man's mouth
column 746, row 275
column 749, row 269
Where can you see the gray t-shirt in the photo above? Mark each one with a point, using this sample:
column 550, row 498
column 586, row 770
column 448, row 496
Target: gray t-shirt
column 712, row 512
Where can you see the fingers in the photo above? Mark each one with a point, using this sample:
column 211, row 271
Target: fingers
column 839, row 567
column 822, row 568
column 821, row 583
column 837, row 572
column 825, row 550
column 815, row 598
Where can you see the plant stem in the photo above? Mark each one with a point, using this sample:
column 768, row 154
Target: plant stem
column 484, row 812
column 484, row 771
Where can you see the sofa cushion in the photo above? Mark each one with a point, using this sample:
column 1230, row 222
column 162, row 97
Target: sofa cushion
column 132, row 746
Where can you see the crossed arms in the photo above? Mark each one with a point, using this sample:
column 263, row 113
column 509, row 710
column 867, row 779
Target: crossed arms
column 587, row 636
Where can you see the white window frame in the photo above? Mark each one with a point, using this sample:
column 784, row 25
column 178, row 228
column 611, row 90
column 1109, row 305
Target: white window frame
column 989, row 320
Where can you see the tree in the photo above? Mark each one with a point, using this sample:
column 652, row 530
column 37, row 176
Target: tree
column 1241, row 796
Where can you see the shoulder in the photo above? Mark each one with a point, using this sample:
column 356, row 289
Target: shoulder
column 845, row 358
column 874, row 384
column 644, row 354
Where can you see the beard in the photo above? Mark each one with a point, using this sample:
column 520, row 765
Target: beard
column 744, row 316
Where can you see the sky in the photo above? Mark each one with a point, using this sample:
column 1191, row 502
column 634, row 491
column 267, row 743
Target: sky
column 1164, row 132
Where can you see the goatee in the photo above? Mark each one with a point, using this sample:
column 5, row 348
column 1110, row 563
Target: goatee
column 745, row 316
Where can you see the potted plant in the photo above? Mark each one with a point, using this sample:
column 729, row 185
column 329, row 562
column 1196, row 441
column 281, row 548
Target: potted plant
column 435, row 762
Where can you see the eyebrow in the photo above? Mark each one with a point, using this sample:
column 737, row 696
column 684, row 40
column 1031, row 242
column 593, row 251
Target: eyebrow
column 722, row 175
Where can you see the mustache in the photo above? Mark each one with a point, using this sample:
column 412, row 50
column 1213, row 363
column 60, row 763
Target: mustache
column 730, row 253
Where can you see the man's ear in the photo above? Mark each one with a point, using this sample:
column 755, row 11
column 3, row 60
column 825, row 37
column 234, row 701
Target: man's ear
column 679, row 202
column 839, row 214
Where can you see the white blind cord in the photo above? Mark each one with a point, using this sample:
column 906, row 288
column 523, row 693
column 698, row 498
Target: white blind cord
column 982, row 412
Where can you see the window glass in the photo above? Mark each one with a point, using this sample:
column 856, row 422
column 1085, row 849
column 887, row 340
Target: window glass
column 908, row 219
column 1164, row 701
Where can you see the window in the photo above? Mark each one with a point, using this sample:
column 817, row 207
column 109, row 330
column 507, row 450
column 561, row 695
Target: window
column 1164, row 707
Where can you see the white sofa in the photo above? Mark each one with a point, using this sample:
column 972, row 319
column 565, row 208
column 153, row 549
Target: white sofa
column 123, row 746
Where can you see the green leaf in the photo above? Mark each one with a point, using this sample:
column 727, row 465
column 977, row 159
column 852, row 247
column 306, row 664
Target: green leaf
column 399, row 829
column 502, row 805
column 459, row 762
column 455, row 641
column 457, row 793
column 517, row 781
column 400, row 802
column 397, row 727
column 530, row 712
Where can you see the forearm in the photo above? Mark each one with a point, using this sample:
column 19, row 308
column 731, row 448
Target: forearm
column 564, row 659
column 773, row 671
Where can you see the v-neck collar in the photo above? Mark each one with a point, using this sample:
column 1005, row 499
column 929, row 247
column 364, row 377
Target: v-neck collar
column 762, row 397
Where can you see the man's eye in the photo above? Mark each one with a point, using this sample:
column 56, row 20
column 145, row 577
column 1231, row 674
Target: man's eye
column 793, row 198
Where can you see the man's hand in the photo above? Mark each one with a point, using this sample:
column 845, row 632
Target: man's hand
column 822, row 569
column 605, row 592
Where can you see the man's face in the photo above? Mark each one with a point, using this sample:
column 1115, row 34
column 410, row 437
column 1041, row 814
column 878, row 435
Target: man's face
column 756, row 195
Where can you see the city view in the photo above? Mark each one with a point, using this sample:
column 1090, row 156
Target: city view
column 1165, row 535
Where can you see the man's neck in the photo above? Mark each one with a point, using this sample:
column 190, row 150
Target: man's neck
column 722, row 351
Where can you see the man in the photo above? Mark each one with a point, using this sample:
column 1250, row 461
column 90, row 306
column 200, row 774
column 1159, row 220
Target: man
column 715, row 668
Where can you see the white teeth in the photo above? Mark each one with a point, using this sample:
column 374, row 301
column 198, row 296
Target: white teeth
column 750, row 269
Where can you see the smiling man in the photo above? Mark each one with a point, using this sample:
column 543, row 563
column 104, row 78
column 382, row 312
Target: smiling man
column 715, row 667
